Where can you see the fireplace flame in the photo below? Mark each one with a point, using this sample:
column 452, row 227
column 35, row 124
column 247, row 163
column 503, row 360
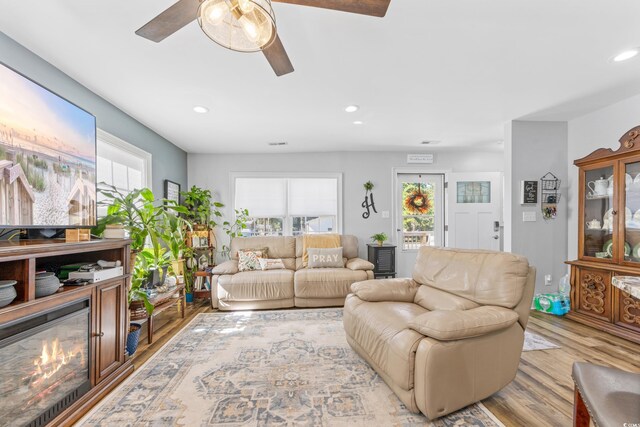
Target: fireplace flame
column 52, row 359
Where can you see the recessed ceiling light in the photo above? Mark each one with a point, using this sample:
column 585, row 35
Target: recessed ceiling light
column 433, row 142
column 358, row 122
column 352, row 108
column 200, row 109
column 276, row 144
column 627, row 54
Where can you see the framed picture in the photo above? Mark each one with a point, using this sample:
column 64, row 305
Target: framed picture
column 172, row 191
column 528, row 192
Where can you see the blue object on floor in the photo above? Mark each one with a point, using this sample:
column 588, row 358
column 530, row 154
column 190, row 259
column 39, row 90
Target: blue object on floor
column 558, row 304
column 133, row 338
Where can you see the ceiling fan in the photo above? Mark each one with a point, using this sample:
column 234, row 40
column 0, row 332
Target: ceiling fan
column 246, row 25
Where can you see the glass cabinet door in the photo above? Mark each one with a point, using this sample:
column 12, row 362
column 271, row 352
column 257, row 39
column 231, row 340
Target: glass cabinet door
column 632, row 212
column 599, row 213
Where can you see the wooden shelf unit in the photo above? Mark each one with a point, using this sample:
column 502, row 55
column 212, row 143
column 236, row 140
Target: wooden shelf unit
column 594, row 300
column 108, row 301
column 177, row 296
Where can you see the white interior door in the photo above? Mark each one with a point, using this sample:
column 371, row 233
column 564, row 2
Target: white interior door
column 475, row 210
column 419, row 221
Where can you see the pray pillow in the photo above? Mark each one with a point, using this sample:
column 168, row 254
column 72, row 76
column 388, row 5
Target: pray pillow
column 248, row 260
column 271, row 264
column 325, row 258
column 318, row 241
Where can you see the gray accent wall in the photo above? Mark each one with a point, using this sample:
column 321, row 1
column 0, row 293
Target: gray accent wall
column 532, row 149
column 169, row 161
column 213, row 171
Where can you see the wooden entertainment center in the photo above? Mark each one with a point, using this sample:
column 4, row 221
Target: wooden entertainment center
column 106, row 301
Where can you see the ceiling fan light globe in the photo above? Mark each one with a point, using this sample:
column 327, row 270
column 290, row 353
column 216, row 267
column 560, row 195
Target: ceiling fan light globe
column 215, row 11
column 246, row 6
column 240, row 31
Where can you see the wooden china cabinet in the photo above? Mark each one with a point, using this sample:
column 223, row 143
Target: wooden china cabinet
column 608, row 238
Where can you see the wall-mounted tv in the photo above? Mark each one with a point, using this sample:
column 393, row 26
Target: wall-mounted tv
column 47, row 157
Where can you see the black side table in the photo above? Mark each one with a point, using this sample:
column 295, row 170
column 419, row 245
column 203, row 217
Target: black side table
column 383, row 258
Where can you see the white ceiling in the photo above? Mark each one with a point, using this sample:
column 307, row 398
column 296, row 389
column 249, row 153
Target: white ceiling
column 453, row 70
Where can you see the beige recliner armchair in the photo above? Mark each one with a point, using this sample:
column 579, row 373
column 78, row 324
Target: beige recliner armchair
column 450, row 336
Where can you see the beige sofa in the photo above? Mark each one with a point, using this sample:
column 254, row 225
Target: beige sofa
column 294, row 286
column 450, row 336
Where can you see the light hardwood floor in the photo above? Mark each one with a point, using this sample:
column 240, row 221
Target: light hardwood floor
column 541, row 394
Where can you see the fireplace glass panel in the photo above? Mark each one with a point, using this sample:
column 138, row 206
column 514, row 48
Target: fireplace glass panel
column 44, row 367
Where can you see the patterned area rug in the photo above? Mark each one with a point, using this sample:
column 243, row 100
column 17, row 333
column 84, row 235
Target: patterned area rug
column 533, row 341
column 269, row 368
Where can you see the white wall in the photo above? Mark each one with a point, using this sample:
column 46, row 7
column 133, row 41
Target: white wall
column 537, row 148
column 212, row 171
column 599, row 129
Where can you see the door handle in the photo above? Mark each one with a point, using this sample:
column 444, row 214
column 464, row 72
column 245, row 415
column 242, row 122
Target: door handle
column 496, row 237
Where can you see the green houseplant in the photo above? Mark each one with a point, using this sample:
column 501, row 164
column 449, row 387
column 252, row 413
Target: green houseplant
column 380, row 238
column 234, row 229
column 175, row 230
column 201, row 210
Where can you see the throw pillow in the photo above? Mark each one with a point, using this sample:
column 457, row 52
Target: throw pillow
column 260, row 253
column 318, row 241
column 271, row 264
column 325, row 258
column 248, row 260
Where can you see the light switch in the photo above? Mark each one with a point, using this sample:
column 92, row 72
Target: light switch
column 529, row 216
column 385, row 214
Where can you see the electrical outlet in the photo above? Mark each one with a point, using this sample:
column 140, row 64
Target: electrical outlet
column 547, row 280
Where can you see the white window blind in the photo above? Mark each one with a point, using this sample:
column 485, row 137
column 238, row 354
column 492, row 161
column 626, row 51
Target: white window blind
column 289, row 205
column 263, row 197
column 313, row 196
column 122, row 165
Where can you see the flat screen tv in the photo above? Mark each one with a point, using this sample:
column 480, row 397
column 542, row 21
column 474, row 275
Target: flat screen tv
column 47, row 157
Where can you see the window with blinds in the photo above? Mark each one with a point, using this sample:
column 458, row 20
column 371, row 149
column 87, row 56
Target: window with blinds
column 290, row 206
column 122, row 165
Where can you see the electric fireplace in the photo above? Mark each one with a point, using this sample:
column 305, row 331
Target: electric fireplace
column 44, row 364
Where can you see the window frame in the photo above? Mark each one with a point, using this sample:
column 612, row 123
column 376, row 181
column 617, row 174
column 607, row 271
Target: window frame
column 288, row 219
column 131, row 149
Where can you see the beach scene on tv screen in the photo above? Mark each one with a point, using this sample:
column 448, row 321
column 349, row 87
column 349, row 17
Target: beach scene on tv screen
column 47, row 157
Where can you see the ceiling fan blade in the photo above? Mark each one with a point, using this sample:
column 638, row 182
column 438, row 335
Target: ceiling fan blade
column 278, row 58
column 170, row 21
column 363, row 7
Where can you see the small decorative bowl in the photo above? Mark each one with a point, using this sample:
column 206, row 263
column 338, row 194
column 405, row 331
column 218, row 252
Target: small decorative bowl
column 46, row 284
column 7, row 292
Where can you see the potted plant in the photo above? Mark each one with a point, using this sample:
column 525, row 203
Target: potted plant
column 175, row 234
column 137, row 293
column 380, row 238
column 200, row 208
column 234, row 229
column 139, row 216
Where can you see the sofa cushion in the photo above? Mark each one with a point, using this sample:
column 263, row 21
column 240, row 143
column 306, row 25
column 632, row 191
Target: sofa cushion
column 256, row 285
column 435, row 299
column 248, row 260
column 318, row 241
column 448, row 325
column 485, row 277
column 400, row 290
column 359, row 264
column 325, row 257
column 348, row 242
column 326, row 282
column 382, row 330
column 271, row 264
column 227, row 267
column 278, row 246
